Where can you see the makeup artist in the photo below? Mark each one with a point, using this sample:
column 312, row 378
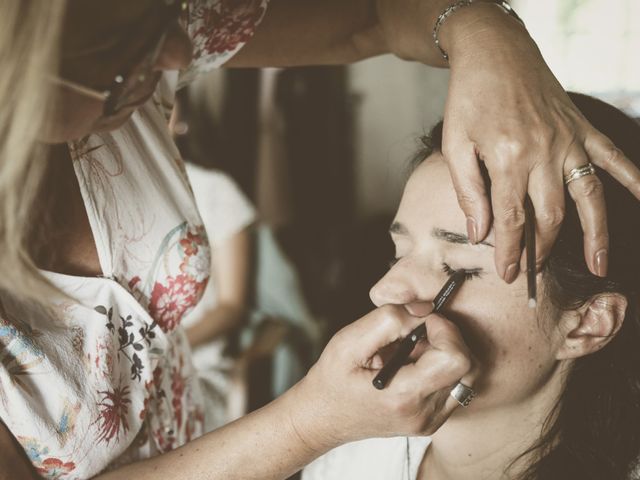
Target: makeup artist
column 102, row 250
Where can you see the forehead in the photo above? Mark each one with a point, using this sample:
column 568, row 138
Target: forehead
column 92, row 22
column 429, row 199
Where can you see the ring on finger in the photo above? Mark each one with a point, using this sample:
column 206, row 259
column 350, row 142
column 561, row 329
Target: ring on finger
column 463, row 394
column 579, row 172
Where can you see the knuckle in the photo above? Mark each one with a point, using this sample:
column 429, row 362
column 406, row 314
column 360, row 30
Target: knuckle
column 459, row 363
column 551, row 217
column 337, row 346
column 547, row 135
column 509, row 148
column 389, row 316
column 590, row 187
column 611, row 154
column 511, row 218
column 339, row 337
column 466, row 198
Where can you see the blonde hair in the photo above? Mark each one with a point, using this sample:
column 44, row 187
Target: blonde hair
column 30, row 33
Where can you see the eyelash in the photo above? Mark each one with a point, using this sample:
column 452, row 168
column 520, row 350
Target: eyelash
column 469, row 274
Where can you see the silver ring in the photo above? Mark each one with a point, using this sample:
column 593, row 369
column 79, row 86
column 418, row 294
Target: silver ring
column 463, row 394
column 579, row 172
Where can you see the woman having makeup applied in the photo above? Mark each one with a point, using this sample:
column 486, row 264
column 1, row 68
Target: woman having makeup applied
column 102, row 248
column 558, row 387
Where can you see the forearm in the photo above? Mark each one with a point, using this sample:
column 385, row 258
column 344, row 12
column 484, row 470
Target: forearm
column 216, row 322
column 313, row 32
column 263, row 445
column 330, row 32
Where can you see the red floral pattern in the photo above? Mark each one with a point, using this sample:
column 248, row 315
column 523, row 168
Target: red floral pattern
column 171, row 301
column 192, row 242
column 225, row 25
column 54, row 468
column 174, row 296
column 177, row 387
column 114, row 408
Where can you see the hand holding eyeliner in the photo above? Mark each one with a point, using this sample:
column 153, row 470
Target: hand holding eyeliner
column 408, row 343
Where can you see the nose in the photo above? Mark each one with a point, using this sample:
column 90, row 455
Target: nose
column 177, row 50
column 407, row 286
column 398, row 288
column 391, row 289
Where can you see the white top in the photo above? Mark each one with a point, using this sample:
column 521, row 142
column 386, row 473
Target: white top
column 106, row 379
column 396, row 458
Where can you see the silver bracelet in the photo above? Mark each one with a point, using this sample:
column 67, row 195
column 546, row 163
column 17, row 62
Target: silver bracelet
column 465, row 3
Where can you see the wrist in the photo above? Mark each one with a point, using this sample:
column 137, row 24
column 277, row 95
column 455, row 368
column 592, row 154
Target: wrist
column 308, row 421
column 482, row 25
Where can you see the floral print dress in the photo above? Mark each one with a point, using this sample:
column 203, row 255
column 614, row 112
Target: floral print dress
column 104, row 377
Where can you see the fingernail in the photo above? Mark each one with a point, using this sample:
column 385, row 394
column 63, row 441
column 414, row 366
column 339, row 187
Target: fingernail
column 602, row 263
column 511, row 273
column 472, row 231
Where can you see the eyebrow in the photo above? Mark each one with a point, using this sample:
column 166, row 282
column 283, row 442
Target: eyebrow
column 398, row 228
column 453, row 237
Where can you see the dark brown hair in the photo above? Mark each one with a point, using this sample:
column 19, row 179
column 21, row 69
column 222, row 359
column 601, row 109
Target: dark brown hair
column 594, row 430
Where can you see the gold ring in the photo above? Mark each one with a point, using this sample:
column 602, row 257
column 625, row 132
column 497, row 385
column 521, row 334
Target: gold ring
column 579, row 172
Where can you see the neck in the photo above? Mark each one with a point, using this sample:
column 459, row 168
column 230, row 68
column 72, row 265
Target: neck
column 482, row 443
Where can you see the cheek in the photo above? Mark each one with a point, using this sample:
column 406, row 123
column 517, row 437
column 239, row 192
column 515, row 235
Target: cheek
column 513, row 349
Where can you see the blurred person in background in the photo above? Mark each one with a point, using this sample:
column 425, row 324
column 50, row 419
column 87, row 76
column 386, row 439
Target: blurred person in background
column 252, row 309
column 227, row 216
column 103, row 250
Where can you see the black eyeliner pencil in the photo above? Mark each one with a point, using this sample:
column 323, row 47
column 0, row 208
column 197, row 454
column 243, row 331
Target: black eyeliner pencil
column 530, row 243
column 408, row 343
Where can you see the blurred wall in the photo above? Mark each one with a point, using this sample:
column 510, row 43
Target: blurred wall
column 395, row 102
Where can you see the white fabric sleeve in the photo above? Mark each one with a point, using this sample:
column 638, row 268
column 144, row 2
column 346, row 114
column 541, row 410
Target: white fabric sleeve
column 224, row 209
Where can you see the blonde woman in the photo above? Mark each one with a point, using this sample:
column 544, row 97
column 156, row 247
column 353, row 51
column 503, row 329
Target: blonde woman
column 102, row 249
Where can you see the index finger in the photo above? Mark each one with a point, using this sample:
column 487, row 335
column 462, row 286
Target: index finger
column 508, row 192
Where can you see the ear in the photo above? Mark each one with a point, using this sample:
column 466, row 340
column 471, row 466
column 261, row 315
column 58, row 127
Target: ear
column 593, row 326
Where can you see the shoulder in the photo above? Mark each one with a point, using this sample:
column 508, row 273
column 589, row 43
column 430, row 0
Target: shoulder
column 224, row 208
column 204, row 175
column 213, row 186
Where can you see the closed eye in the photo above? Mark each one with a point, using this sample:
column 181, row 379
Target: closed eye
column 469, row 273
